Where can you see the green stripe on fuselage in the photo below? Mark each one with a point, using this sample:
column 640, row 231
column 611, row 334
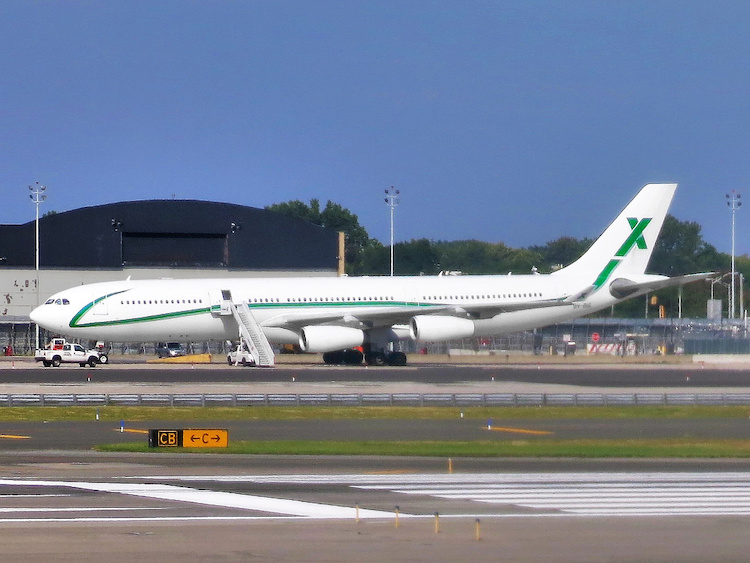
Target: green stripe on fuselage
column 74, row 323
column 134, row 320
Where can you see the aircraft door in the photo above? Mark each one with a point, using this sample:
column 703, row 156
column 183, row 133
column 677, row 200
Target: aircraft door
column 412, row 296
column 101, row 305
column 221, row 302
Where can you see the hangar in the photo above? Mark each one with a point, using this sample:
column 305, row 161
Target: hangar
column 152, row 239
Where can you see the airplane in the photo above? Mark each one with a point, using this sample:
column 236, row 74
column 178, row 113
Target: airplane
column 343, row 316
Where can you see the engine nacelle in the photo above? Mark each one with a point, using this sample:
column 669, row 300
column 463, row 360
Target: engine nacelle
column 329, row 338
column 434, row 328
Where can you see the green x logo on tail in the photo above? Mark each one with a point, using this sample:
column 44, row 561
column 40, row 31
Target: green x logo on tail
column 636, row 236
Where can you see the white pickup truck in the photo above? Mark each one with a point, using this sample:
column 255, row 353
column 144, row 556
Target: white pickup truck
column 59, row 351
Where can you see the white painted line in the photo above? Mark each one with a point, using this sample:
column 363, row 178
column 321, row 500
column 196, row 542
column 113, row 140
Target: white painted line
column 80, row 509
column 33, row 496
column 476, row 479
column 213, row 498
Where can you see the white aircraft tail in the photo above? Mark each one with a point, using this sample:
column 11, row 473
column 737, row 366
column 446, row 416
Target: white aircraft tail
column 625, row 246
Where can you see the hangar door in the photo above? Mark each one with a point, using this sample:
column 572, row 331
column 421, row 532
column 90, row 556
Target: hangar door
column 172, row 249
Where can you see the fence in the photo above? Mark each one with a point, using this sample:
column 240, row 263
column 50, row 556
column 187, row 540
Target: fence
column 640, row 336
column 372, row 399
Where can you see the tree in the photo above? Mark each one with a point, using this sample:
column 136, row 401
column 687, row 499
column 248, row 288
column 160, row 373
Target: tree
column 561, row 252
column 333, row 216
column 680, row 249
column 416, row 257
column 299, row 210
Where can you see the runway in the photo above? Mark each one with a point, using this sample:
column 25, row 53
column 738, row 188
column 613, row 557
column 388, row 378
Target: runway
column 128, row 377
column 60, row 501
column 176, row 507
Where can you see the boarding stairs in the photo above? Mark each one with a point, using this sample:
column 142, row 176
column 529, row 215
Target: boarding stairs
column 252, row 335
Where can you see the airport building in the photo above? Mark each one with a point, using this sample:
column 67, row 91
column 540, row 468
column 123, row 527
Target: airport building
column 151, row 239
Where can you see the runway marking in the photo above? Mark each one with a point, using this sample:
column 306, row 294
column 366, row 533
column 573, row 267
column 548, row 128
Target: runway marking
column 572, row 494
column 131, row 430
column 212, row 498
column 33, row 496
column 78, row 509
column 519, row 430
column 14, row 437
column 611, row 494
column 540, row 495
column 391, row 472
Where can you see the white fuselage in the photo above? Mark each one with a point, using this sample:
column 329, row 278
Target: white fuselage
column 182, row 309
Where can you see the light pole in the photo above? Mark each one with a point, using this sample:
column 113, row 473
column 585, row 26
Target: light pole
column 37, row 195
column 391, row 198
column 734, row 203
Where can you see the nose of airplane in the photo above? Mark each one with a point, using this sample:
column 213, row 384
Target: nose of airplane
column 35, row 315
column 42, row 316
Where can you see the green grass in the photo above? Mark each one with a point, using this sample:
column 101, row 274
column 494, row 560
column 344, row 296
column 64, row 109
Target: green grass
column 199, row 414
column 673, row 448
column 548, row 447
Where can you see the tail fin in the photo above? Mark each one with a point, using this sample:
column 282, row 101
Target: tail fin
column 626, row 245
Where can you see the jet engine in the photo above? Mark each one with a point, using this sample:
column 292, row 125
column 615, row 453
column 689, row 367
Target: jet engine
column 329, row 338
column 429, row 328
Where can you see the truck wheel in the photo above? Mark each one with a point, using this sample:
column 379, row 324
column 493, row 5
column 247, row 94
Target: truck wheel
column 92, row 362
column 46, row 363
column 56, row 361
column 103, row 358
column 82, row 364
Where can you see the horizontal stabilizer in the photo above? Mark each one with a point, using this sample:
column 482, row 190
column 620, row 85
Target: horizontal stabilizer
column 622, row 287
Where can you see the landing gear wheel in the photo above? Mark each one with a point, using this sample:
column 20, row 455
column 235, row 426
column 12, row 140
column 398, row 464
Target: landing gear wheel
column 375, row 359
column 334, row 358
column 352, row 357
column 396, row 359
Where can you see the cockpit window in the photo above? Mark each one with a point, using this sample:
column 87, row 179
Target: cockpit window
column 59, row 301
column 49, row 301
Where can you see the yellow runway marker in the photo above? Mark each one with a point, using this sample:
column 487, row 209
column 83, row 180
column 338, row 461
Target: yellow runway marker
column 14, row 437
column 132, row 431
column 521, row 431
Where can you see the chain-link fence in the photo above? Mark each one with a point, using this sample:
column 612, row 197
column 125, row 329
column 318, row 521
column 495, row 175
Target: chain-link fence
column 596, row 336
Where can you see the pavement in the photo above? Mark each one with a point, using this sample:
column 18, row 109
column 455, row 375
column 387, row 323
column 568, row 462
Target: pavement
column 61, row 502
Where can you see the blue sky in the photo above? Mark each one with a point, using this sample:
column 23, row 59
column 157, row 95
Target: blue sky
column 512, row 121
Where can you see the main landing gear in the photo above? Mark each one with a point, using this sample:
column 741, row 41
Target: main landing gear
column 354, row 357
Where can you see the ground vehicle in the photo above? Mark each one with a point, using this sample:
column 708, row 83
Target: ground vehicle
column 59, row 351
column 240, row 355
column 170, row 350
